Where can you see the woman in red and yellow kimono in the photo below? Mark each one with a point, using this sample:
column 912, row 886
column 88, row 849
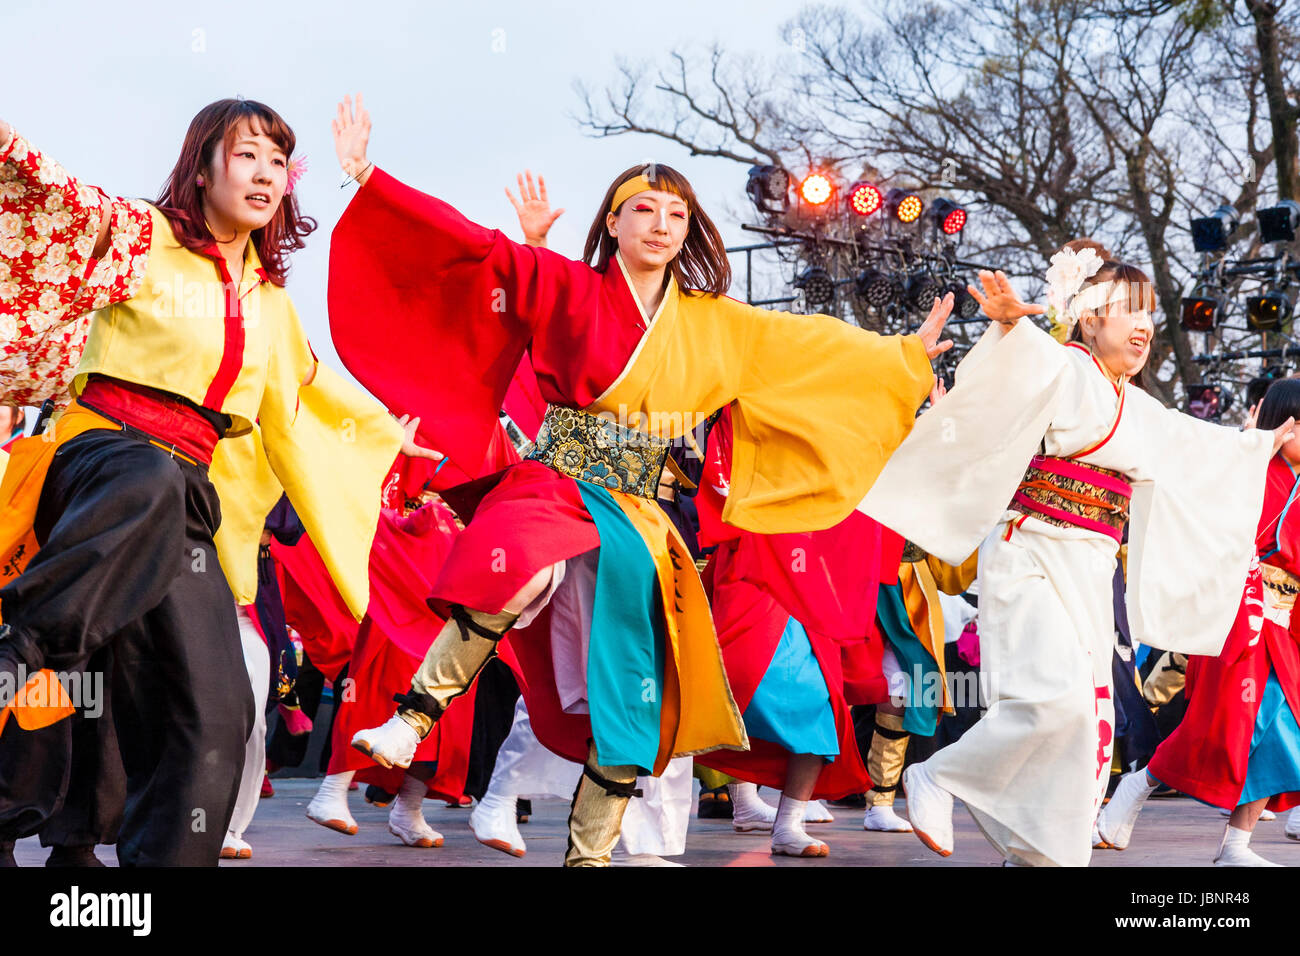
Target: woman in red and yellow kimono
column 133, row 518
column 1238, row 746
column 631, row 351
column 785, row 607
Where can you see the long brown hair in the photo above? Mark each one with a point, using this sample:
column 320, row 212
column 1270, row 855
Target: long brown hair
column 702, row 263
column 181, row 201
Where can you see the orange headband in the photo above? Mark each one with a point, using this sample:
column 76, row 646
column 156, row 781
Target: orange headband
column 637, row 184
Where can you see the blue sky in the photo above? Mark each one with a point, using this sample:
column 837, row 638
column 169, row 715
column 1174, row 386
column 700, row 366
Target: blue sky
column 462, row 96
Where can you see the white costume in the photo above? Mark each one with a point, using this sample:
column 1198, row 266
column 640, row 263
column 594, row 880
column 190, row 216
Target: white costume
column 1033, row 770
column 654, row 824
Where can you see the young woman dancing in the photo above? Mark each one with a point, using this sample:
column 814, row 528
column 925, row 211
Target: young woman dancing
column 631, row 348
column 1062, row 434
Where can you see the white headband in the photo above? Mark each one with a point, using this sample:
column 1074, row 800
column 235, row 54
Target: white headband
column 1097, row 297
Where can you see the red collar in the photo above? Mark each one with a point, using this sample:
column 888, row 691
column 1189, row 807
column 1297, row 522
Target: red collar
column 212, row 251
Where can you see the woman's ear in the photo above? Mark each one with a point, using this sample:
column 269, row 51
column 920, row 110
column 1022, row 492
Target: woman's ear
column 611, row 224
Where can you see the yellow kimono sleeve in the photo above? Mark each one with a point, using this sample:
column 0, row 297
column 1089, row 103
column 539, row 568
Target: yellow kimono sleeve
column 821, row 406
column 248, row 490
column 330, row 446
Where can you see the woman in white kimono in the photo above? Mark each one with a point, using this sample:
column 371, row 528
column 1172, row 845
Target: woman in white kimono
column 1043, row 451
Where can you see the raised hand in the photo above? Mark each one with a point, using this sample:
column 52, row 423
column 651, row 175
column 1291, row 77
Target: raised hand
column 351, row 137
column 409, row 448
column 939, row 390
column 6, row 134
column 1252, row 416
column 932, row 327
column 999, row 301
column 533, row 208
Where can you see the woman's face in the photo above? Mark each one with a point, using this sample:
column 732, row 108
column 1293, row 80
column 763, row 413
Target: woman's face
column 242, row 190
column 650, row 228
column 1121, row 337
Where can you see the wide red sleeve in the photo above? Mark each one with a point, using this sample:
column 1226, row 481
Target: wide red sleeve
column 432, row 313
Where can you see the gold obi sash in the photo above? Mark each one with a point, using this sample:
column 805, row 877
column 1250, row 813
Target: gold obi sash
column 1280, row 590
column 1070, row 494
column 600, row 451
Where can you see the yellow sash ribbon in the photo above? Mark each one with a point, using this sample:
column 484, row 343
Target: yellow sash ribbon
column 42, row 701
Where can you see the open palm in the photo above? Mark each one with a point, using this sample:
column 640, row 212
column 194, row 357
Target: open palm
column 998, row 300
column 533, row 207
column 351, row 135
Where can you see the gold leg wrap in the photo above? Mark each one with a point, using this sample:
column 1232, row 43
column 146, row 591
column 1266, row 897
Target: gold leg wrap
column 1168, row 677
column 450, row 665
column 885, row 760
column 596, row 817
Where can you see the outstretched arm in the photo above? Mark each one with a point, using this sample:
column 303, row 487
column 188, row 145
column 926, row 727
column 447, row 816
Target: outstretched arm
column 66, row 249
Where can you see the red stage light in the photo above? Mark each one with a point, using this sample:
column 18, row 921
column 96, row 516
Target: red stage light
column 816, row 189
column 865, row 198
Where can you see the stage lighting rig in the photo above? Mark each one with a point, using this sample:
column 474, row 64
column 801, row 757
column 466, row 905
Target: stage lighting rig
column 817, row 285
column 877, row 287
column 1278, row 223
column 1208, row 402
column 1202, row 313
column 865, row 198
column 1270, row 310
column 904, row 205
column 817, row 190
column 946, row 217
column 920, row 290
column 769, row 189
column 1212, row 233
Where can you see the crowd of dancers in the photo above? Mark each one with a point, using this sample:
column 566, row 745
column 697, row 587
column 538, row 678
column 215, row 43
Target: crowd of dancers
column 598, row 530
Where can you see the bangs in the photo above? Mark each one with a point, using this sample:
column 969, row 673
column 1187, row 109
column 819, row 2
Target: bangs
column 260, row 120
column 1141, row 290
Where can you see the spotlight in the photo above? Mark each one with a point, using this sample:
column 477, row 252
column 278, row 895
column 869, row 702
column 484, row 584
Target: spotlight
column 1278, row 224
column 1207, row 402
column 876, row 286
column 963, row 303
column 920, row 290
column 1201, row 314
column 904, row 206
column 865, row 198
column 769, row 188
column 946, row 217
column 1211, row 233
column 1267, row 312
column 816, row 189
column 817, row 285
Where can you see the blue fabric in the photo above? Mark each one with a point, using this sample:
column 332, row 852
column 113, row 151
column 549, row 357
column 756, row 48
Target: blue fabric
column 924, row 697
column 625, row 660
column 1274, row 765
column 791, row 706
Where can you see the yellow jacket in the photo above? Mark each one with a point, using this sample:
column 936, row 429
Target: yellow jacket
column 165, row 317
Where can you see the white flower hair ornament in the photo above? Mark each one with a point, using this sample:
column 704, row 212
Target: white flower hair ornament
column 1068, row 271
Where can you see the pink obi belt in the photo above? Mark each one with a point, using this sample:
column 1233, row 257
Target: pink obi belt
column 1070, row 494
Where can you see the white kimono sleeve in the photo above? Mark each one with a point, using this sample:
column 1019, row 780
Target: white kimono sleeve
column 950, row 481
column 1197, row 496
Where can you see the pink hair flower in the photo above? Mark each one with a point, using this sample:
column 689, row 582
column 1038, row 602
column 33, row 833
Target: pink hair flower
column 297, row 167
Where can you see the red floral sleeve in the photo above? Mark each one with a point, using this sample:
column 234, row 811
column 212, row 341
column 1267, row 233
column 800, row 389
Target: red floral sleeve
column 49, row 281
